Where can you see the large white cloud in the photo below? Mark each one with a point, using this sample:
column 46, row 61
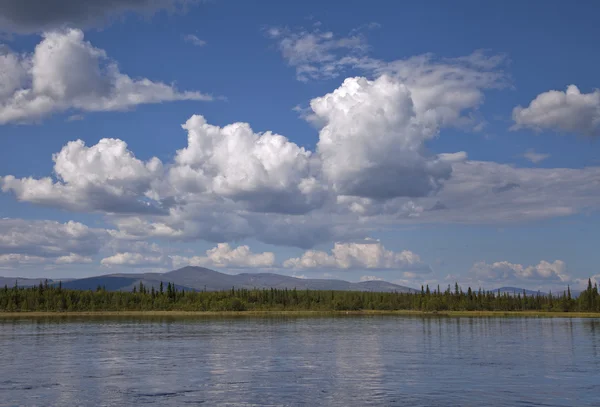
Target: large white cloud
column 31, row 16
column 264, row 171
column 225, row 256
column 369, row 254
column 28, row 242
column 66, row 72
column 373, row 144
column 570, row 111
column 105, row 177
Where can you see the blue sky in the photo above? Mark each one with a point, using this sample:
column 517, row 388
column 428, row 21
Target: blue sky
column 453, row 151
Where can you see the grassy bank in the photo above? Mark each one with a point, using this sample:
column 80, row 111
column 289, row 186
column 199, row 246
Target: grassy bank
column 530, row 314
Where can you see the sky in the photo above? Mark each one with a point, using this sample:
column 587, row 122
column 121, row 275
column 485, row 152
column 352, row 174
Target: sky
column 418, row 142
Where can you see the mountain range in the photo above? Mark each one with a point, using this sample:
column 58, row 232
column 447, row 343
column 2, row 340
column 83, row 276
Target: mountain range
column 202, row 279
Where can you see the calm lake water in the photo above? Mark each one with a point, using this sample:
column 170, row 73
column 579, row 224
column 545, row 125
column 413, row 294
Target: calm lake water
column 330, row 361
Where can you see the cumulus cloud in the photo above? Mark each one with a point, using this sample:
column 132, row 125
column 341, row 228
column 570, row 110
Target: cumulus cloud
column 264, row 171
column 504, row 271
column 369, row 254
column 31, row 16
column 105, row 177
column 441, row 89
column 534, row 157
column 372, row 143
column 25, row 242
column 65, row 72
column 224, row 256
column 570, row 112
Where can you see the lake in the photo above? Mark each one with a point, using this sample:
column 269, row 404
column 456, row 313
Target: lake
column 300, row 361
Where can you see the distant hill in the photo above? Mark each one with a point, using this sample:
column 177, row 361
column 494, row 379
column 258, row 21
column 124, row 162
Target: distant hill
column 516, row 290
column 200, row 279
column 22, row 282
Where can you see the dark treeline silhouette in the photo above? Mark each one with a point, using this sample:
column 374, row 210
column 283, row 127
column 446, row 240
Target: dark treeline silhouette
column 47, row 297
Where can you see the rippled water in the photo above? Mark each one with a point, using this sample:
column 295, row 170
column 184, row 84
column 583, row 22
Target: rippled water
column 343, row 361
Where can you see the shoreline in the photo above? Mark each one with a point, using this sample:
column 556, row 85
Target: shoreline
column 73, row 314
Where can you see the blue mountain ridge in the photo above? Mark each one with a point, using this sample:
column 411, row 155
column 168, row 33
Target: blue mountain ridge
column 203, row 279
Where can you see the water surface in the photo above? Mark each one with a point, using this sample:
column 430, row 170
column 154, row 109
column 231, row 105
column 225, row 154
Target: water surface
column 330, row 361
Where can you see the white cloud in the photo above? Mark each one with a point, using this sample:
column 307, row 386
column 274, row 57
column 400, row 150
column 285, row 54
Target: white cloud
column 105, row 177
column 373, row 144
column 506, row 272
column 42, row 15
column 73, row 259
column 487, row 192
column 317, row 54
column 194, row 40
column 441, row 89
column 65, row 72
column 9, row 261
column 135, row 260
column 369, row 254
column 490, row 192
column 25, row 242
column 224, row 256
column 534, row 157
column 570, row 112
column 263, row 171
column 370, row 278
column 447, row 92
column 48, row 238
column 135, row 253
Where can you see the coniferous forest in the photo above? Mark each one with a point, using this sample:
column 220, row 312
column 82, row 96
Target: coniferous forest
column 54, row 298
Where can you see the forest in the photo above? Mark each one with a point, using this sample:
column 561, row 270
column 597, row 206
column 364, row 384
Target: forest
column 53, row 298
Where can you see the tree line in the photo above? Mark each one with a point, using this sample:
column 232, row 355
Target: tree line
column 52, row 297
